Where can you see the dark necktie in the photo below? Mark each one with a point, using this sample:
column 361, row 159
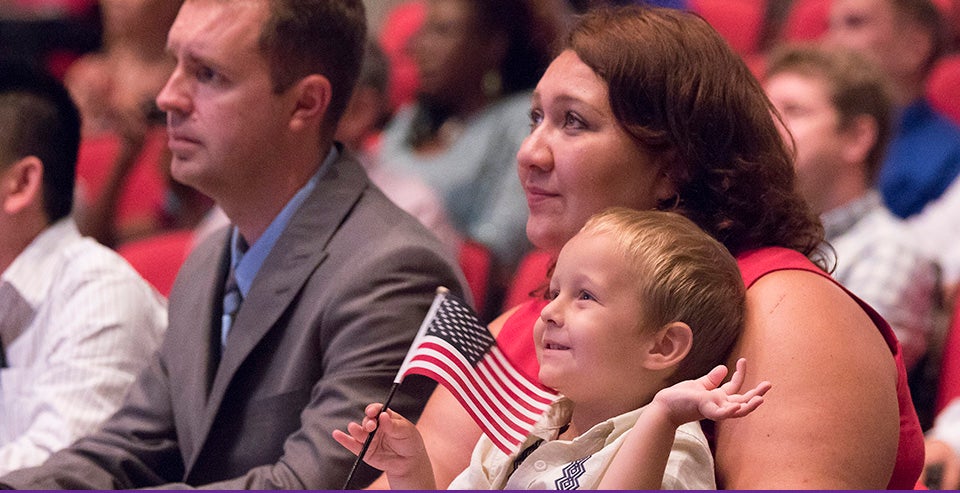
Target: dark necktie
column 231, row 305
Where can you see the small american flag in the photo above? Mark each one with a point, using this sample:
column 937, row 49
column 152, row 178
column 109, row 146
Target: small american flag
column 453, row 348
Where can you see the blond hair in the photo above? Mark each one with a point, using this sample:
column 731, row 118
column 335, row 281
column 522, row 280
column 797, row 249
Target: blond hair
column 683, row 275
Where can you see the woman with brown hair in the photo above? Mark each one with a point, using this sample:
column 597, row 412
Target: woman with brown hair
column 649, row 108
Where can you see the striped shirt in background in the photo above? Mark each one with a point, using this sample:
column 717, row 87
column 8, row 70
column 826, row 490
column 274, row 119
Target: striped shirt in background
column 77, row 325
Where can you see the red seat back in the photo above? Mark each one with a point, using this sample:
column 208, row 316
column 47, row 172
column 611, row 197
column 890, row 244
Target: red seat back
column 738, row 21
column 158, row 258
column 144, row 192
column 943, row 87
column 476, row 262
column 808, row 20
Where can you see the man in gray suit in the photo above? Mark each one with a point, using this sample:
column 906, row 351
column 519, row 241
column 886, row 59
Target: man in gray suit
column 286, row 325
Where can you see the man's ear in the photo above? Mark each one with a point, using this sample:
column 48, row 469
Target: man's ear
column 313, row 94
column 861, row 137
column 918, row 41
column 22, row 185
column 668, row 346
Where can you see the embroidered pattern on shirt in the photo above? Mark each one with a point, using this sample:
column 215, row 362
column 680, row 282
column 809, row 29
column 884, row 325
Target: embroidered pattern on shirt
column 571, row 475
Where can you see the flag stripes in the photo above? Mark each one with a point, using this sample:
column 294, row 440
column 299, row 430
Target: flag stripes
column 456, row 351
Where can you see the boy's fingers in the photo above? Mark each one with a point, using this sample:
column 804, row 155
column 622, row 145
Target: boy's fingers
column 760, row 390
column 749, row 406
column 347, row 441
column 736, row 380
column 373, row 409
column 713, row 379
column 356, row 431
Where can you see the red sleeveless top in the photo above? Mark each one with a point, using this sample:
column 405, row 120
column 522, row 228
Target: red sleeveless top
column 516, row 341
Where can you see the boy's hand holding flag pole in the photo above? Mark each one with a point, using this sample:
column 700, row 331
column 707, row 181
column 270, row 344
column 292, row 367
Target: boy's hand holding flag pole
column 455, row 349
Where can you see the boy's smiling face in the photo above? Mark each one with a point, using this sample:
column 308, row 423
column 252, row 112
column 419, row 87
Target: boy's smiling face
column 590, row 337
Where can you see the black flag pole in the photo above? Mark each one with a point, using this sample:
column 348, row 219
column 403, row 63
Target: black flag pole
column 438, row 299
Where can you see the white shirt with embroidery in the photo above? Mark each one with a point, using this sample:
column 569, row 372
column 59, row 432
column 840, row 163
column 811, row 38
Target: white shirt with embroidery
column 546, row 463
column 77, row 324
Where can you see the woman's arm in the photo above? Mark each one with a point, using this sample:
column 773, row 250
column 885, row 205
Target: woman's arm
column 835, row 421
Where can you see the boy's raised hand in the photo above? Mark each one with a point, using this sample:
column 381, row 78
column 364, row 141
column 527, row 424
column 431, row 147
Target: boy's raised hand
column 397, row 448
column 705, row 397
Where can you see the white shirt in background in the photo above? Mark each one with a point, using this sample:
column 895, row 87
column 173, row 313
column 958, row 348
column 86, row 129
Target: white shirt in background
column 77, row 325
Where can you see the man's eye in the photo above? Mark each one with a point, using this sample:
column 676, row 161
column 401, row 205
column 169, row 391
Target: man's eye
column 205, row 74
column 793, row 110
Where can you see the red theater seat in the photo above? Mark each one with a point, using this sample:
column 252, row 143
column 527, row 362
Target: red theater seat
column 158, row 258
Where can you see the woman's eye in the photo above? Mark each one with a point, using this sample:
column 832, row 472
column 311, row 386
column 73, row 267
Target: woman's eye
column 571, row 120
column 536, row 117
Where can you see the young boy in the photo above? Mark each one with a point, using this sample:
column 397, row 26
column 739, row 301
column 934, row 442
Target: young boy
column 642, row 302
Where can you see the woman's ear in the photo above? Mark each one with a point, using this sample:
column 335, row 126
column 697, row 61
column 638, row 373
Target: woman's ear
column 313, row 95
column 668, row 346
column 665, row 190
column 22, row 185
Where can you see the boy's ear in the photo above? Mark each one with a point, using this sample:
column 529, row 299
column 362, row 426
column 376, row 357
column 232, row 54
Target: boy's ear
column 313, row 95
column 668, row 346
column 22, row 185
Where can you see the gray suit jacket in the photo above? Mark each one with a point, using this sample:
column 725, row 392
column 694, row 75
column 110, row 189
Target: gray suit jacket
column 321, row 333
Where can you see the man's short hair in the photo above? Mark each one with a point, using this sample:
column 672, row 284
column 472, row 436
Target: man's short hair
column 856, row 88
column 303, row 37
column 38, row 118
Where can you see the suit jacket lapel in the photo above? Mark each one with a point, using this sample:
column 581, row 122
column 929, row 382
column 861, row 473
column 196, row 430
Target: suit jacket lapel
column 300, row 249
column 192, row 353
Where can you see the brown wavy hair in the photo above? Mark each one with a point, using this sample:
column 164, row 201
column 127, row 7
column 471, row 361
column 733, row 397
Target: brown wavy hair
column 692, row 103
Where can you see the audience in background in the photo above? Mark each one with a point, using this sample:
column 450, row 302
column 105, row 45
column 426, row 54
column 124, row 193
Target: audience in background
column 359, row 130
column 905, row 38
column 116, row 86
column 128, row 192
column 77, row 324
column 936, row 234
column 837, row 111
column 477, row 61
column 284, row 325
column 401, row 25
column 50, row 34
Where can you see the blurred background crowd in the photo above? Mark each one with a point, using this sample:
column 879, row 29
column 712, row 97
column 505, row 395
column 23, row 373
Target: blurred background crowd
column 442, row 107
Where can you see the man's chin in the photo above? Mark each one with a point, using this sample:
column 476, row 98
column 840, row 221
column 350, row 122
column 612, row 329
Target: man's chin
column 186, row 172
